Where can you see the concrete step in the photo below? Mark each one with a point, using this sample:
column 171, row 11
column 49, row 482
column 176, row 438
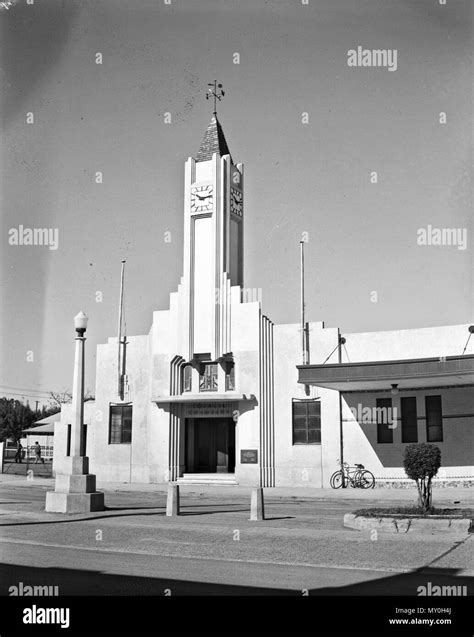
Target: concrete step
column 208, row 478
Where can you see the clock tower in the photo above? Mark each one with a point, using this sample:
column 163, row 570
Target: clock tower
column 213, row 246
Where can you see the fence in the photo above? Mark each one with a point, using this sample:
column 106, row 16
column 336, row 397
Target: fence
column 28, row 459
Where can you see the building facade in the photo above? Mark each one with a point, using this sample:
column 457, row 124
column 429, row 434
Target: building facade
column 213, row 394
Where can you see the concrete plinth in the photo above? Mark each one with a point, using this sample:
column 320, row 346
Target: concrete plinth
column 257, row 510
column 75, row 490
column 75, row 483
column 172, row 501
column 76, row 465
column 74, row 502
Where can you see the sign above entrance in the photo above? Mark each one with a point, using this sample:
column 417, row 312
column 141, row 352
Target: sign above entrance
column 248, row 456
column 209, row 410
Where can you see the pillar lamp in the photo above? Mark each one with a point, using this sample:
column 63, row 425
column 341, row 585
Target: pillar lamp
column 75, row 488
column 80, row 323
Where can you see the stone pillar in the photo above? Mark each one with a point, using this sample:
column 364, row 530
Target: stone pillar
column 77, row 405
column 257, row 510
column 172, row 501
column 75, row 490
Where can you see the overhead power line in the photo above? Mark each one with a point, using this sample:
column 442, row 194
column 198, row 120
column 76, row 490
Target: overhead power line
column 23, row 389
column 7, row 394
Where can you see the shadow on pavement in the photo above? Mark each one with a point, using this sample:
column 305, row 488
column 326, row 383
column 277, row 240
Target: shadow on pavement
column 405, row 584
column 186, row 513
column 79, row 582
column 134, row 508
column 71, row 520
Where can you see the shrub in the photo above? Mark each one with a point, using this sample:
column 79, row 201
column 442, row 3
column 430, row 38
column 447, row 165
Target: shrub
column 421, row 463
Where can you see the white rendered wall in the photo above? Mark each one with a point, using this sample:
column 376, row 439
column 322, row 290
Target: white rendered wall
column 423, row 342
column 203, row 285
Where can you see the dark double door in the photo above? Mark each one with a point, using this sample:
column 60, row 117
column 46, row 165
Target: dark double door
column 210, row 445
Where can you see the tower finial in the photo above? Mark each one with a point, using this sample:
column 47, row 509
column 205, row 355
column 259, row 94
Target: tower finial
column 216, row 92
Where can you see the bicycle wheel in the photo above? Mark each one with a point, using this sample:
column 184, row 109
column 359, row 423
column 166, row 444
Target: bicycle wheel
column 337, row 480
column 366, row 480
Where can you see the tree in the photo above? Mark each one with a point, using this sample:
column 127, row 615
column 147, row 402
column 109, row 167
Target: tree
column 47, row 411
column 14, row 418
column 59, row 398
column 421, row 463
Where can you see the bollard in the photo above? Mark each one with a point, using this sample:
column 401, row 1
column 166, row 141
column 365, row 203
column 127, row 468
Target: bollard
column 172, row 501
column 257, row 510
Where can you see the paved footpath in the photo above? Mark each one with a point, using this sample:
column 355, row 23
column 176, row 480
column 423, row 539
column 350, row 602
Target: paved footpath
column 213, row 548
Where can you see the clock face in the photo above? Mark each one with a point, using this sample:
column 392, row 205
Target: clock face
column 202, row 199
column 236, row 201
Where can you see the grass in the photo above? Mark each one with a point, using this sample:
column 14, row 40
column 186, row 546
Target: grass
column 415, row 512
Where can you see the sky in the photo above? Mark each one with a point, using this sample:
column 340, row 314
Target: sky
column 365, row 268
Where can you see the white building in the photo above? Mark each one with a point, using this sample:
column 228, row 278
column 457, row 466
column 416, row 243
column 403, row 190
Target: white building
column 214, row 392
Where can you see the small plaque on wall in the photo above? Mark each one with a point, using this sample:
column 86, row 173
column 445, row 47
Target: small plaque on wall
column 249, row 456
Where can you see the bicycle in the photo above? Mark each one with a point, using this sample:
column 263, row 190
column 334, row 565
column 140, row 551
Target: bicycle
column 357, row 476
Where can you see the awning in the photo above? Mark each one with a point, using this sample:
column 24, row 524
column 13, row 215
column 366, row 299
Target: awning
column 414, row 373
column 205, row 397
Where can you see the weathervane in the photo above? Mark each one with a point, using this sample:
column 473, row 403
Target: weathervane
column 216, row 92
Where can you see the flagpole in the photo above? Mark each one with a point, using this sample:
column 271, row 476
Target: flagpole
column 303, row 326
column 120, row 321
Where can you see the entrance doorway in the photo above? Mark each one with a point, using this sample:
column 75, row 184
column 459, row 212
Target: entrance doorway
column 210, row 445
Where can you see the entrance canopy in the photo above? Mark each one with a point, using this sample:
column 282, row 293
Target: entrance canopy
column 414, row 373
column 205, row 397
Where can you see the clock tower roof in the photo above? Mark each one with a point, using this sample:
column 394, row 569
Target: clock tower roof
column 212, row 142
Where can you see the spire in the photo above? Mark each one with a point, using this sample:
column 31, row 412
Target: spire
column 213, row 142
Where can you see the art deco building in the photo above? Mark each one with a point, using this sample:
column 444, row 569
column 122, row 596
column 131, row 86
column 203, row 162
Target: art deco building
column 213, row 391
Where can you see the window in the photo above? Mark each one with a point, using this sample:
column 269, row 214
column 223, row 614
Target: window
column 187, row 377
column 409, row 420
column 120, row 430
column 306, row 422
column 434, row 419
column 230, row 378
column 208, row 377
column 84, row 440
column 384, row 427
